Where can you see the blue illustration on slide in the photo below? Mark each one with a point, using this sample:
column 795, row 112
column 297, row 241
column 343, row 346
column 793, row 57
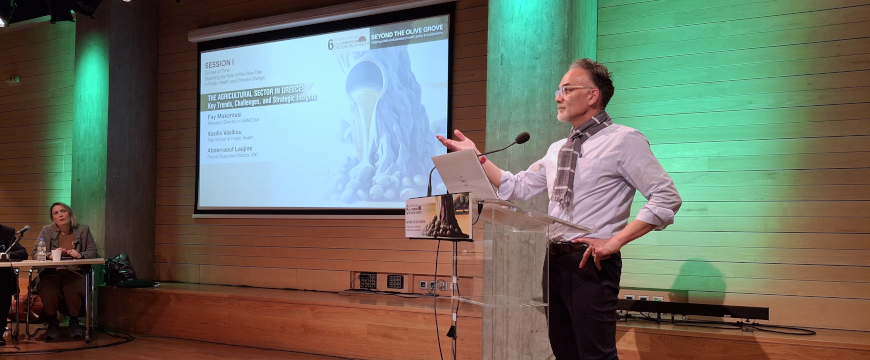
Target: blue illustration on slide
column 387, row 114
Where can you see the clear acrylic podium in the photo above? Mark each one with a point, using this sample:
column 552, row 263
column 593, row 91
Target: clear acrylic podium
column 515, row 247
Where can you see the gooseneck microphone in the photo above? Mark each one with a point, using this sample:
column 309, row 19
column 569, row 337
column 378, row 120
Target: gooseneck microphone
column 520, row 139
column 23, row 230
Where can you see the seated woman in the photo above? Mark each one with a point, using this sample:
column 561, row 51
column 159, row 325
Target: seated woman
column 8, row 281
column 76, row 242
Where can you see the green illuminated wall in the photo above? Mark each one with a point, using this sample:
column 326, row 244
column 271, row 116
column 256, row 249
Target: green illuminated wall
column 35, row 123
column 90, row 130
column 115, row 129
column 758, row 109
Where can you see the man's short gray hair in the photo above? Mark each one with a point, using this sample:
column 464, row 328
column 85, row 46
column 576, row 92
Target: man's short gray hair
column 599, row 75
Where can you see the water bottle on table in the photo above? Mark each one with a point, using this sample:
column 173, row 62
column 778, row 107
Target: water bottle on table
column 40, row 249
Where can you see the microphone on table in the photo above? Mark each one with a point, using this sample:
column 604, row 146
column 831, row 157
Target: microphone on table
column 520, row 139
column 23, row 230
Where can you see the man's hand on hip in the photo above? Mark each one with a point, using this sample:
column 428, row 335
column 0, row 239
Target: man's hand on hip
column 599, row 249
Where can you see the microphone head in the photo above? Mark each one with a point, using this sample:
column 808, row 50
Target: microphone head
column 522, row 138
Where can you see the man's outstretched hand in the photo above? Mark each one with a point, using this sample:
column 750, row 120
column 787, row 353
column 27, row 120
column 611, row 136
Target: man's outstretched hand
column 461, row 142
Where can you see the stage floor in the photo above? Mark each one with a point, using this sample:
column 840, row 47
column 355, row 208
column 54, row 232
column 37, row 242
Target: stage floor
column 142, row 347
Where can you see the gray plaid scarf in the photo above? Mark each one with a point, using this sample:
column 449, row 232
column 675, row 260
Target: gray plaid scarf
column 563, row 190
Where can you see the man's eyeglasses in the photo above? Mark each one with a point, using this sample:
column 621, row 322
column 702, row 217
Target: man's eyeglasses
column 564, row 89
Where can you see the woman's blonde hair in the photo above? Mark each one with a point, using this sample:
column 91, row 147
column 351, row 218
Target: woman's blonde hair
column 72, row 217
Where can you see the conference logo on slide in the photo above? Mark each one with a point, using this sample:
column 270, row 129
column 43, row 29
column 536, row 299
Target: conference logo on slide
column 348, row 42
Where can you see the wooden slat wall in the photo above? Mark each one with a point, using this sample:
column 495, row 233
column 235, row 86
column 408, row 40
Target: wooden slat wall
column 284, row 253
column 357, row 327
column 35, row 122
column 759, row 111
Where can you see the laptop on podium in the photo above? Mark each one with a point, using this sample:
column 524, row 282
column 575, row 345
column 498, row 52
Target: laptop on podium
column 462, row 172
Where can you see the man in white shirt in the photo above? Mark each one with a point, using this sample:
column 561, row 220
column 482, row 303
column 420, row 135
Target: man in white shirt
column 591, row 178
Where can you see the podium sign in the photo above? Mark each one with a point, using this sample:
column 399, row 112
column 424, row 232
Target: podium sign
column 439, row 217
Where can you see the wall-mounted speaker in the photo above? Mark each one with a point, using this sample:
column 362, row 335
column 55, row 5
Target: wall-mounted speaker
column 86, row 7
column 60, row 10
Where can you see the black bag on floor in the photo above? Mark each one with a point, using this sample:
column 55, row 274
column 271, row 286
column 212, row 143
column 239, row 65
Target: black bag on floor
column 118, row 272
column 118, row 269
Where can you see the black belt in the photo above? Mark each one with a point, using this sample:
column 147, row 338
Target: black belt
column 557, row 248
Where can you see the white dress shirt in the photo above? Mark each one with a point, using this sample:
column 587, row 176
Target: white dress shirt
column 615, row 162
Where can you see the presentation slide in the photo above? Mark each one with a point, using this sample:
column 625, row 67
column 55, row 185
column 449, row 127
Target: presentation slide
column 343, row 120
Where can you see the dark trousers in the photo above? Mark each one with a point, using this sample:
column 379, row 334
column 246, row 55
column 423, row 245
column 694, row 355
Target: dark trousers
column 582, row 306
column 5, row 306
column 61, row 284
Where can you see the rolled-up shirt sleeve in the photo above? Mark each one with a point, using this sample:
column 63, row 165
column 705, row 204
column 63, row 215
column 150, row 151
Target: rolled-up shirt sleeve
column 524, row 185
column 642, row 170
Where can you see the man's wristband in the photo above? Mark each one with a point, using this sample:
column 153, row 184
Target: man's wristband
column 482, row 159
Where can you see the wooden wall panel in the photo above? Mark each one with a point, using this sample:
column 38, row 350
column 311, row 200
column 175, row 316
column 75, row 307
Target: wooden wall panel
column 758, row 109
column 310, row 254
column 382, row 327
column 35, row 122
column 358, row 327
